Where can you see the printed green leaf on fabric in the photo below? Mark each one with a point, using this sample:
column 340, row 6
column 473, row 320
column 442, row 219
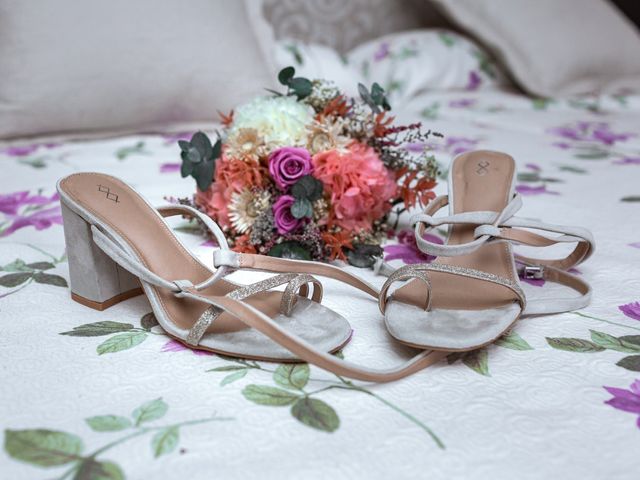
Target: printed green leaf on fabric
column 45, row 448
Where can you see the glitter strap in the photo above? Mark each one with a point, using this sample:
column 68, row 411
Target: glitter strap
column 420, row 271
column 297, row 284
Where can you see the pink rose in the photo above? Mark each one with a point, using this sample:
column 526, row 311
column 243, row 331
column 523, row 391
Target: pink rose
column 288, row 164
column 282, row 216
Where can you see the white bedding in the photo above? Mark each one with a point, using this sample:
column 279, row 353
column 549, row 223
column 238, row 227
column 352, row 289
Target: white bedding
column 531, row 407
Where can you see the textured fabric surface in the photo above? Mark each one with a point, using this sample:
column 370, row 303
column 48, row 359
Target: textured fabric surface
column 557, row 398
column 556, row 48
column 72, row 67
column 343, row 24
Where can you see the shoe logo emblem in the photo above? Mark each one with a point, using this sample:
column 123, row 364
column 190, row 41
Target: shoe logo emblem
column 107, row 191
column 482, row 167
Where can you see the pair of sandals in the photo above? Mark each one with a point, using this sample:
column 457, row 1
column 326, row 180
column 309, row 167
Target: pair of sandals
column 119, row 246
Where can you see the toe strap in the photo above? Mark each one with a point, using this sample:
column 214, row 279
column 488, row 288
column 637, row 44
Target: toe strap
column 421, row 272
column 297, row 285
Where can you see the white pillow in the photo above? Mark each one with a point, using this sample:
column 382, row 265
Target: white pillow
column 404, row 64
column 73, row 66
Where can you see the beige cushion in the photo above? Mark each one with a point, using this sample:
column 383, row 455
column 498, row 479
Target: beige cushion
column 555, row 47
column 119, row 65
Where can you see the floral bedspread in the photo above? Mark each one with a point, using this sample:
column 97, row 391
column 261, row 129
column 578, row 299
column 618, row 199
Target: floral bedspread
column 90, row 394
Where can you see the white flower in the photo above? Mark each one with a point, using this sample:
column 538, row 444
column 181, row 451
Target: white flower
column 281, row 121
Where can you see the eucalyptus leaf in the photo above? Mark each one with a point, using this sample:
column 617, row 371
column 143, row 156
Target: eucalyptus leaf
column 316, row 414
column 302, row 208
column 307, row 187
column 364, row 255
column 266, row 395
column 46, row 448
column 290, row 249
column 301, row 87
column 200, row 141
column 285, row 75
column 120, row 342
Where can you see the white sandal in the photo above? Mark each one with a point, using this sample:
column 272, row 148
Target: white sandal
column 120, row 246
column 471, row 294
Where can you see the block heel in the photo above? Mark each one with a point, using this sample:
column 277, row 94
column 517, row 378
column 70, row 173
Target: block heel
column 96, row 281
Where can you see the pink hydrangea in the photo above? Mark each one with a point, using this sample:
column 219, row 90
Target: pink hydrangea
column 360, row 185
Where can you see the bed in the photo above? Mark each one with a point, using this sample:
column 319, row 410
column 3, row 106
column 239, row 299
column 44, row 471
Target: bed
column 558, row 397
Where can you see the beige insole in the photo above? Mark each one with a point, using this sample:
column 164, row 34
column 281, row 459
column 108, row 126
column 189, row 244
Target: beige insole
column 156, row 246
column 481, row 181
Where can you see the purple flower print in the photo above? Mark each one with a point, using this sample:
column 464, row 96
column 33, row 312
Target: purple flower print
column 407, row 250
column 529, row 190
column 24, row 150
column 382, row 52
column 454, row 145
column 23, row 210
column 635, row 244
column 169, row 167
column 534, row 167
column 631, row 310
column 175, row 346
column 626, row 400
column 462, row 103
column 474, row 81
column 598, row 132
column 628, row 161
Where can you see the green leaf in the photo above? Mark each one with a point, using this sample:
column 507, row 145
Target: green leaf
column 186, row 168
column 572, row 169
column 148, row 321
column 46, row 448
column 16, row 266
column 302, row 208
column 203, row 174
column 632, row 362
column 632, row 198
column 364, row 255
column 48, row 279
column 98, row 329
column 285, row 75
column 233, row 377
column 540, row 103
column 612, row 343
column 301, row 87
column 91, row 469
column 631, row 339
column 227, row 368
column 292, row 375
column 595, row 155
column 574, row 345
column 454, row 357
column 108, row 423
column 201, row 142
column 149, row 411
column 478, row 361
column 184, row 145
column 265, row 395
column 513, row 341
column 308, row 187
column 315, row 414
column 14, row 279
column 41, row 265
column 290, row 249
column 120, row 342
column 165, row 441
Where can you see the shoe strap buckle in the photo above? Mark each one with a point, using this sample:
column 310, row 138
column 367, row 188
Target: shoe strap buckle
column 530, row 272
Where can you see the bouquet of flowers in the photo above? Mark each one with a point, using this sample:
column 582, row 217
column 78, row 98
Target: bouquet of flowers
column 310, row 173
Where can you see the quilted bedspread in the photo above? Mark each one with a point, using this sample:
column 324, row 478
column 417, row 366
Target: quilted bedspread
column 88, row 394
